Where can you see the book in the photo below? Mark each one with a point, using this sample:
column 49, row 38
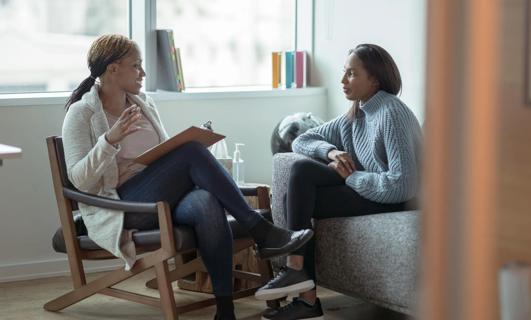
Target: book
column 180, row 68
column 275, row 59
column 177, row 68
column 300, row 69
column 167, row 76
column 173, row 51
column 203, row 136
column 282, row 62
column 289, row 69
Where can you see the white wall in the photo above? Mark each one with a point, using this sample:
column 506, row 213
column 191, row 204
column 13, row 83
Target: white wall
column 397, row 26
column 28, row 210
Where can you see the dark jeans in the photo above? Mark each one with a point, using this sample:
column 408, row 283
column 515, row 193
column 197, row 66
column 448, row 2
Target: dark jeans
column 198, row 189
column 318, row 191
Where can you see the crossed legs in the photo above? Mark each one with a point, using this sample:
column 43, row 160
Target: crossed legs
column 315, row 191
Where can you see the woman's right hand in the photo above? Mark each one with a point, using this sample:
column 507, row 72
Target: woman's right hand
column 343, row 159
column 124, row 126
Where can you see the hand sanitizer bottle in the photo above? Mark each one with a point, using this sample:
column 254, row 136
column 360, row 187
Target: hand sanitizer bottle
column 237, row 165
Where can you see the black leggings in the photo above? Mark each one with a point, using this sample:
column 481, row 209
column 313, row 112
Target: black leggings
column 318, row 191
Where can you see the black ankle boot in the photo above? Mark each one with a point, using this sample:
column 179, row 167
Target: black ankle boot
column 273, row 241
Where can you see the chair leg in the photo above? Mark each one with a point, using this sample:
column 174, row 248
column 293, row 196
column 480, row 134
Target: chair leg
column 184, row 266
column 167, row 299
column 88, row 290
column 106, row 281
column 181, row 270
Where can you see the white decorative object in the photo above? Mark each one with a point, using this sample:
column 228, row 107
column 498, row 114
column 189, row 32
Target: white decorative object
column 221, row 153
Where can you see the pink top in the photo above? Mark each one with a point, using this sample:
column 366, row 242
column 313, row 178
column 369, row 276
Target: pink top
column 132, row 146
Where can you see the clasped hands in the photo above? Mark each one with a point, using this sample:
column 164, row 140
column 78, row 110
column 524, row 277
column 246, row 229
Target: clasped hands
column 342, row 163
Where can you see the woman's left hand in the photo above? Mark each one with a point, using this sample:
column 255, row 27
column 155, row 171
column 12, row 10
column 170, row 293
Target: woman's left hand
column 340, row 169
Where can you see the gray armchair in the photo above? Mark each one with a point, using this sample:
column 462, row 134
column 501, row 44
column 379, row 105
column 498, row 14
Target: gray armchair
column 371, row 257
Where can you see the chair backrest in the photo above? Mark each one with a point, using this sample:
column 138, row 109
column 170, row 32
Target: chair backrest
column 60, row 153
column 58, row 166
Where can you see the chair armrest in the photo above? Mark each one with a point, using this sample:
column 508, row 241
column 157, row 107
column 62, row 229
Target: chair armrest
column 108, row 203
column 282, row 163
column 167, row 237
column 130, row 206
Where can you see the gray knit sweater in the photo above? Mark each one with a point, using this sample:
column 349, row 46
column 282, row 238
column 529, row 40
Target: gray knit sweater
column 386, row 140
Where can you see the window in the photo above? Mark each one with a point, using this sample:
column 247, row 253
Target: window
column 222, row 42
column 45, row 42
column 228, row 42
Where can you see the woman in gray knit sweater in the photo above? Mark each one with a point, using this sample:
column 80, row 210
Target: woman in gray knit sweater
column 368, row 162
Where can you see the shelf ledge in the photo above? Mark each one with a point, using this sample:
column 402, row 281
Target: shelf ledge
column 58, row 98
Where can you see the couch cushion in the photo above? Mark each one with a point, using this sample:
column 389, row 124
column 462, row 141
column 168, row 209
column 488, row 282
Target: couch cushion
column 184, row 235
column 373, row 257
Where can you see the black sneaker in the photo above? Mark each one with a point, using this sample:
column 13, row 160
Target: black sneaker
column 288, row 281
column 281, row 242
column 298, row 309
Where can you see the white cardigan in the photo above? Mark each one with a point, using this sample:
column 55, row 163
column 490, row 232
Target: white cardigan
column 91, row 165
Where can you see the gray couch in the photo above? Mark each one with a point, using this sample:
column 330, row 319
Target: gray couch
column 371, row 257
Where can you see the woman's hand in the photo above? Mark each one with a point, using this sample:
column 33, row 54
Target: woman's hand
column 340, row 169
column 341, row 162
column 124, row 126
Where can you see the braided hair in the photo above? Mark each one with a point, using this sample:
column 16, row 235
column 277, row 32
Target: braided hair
column 105, row 50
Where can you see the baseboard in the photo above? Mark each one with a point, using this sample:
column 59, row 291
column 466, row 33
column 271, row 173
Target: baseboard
column 50, row 268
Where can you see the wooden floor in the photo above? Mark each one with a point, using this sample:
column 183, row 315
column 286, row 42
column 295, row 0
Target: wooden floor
column 24, row 300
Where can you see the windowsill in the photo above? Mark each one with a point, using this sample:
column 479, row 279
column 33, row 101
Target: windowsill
column 58, row 98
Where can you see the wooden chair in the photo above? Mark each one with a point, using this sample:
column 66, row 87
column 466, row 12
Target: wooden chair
column 158, row 245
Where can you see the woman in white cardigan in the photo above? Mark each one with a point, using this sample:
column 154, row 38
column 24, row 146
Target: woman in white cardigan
column 108, row 123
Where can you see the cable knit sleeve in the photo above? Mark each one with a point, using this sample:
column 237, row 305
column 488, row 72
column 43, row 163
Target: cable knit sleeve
column 318, row 142
column 401, row 138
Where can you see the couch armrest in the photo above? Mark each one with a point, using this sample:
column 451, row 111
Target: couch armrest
column 282, row 163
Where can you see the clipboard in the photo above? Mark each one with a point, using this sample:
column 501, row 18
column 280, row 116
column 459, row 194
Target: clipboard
column 203, row 136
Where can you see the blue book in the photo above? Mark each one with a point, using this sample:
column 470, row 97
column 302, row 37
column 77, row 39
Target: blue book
column 289, row 69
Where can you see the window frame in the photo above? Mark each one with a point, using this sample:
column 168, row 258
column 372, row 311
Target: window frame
column 141, row 27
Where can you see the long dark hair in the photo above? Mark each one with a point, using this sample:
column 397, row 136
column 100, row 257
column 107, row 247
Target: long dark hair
column 379, row 65
column 104, row 51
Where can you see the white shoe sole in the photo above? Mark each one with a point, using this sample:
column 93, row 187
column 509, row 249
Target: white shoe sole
column 314, row 318
column 272, row 294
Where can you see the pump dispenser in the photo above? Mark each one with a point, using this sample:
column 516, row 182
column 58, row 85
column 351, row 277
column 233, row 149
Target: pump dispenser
column 237, row 165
